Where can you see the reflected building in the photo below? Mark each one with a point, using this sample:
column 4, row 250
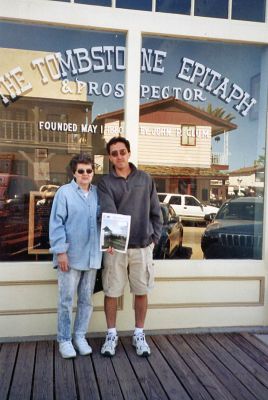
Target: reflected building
column 174, row 146
column 39, row 133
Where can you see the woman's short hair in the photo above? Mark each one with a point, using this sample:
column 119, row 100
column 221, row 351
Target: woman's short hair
column 81, row 158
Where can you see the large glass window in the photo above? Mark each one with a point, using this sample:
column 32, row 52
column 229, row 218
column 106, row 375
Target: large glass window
column 211, row 8
column 249, row 10
column 54, row 85
column 245, row 10
column 106, row 3
column 202, row 137
column 144, row 5
column 174, row 6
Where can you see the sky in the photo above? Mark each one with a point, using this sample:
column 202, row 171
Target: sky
column 240, row 63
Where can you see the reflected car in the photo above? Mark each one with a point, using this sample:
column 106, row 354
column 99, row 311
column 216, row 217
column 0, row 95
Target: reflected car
column 188, row 207
column 170, row 242
column 14, row 214
column 14, row 192
column 237, row 230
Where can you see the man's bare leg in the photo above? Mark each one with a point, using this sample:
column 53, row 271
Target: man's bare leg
column 110, row 308
column 140, row 305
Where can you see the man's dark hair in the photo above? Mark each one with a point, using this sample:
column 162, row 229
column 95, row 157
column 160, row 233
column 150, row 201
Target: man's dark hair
column 81, row 158
column 117, row 139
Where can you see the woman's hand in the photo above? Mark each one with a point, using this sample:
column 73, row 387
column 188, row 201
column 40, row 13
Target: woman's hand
column 63, row 262
column 110, row 250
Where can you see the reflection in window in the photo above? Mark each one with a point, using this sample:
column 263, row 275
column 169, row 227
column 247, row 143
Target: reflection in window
column 174, row 6
column 236, row 231
column 161, row 197
column 175, row 200
column 15, row 115
column 145, row 5
column 243, row 210
column 249, row 10
column 259, row 176
column 205, row 140
column 191, row 201
column 211, row 8
column 204, row 195
column 40, row 132
column 106, row 3
column 188, row 137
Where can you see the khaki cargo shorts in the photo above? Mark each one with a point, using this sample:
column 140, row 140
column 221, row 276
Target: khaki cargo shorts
column 136, row 266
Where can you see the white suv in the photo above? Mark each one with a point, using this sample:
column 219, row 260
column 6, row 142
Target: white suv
column 188, row 207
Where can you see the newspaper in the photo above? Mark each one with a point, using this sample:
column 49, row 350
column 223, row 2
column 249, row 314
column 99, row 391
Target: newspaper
column 115, row 231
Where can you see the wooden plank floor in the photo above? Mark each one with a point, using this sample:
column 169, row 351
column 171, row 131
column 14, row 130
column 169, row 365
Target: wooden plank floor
column 181, row 367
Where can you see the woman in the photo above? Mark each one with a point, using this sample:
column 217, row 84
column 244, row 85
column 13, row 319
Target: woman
column 74, row 241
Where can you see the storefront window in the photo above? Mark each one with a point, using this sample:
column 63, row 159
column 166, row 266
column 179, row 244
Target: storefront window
column 244, row 10
column 211, row 8
column 106, row 3
column 174, row 6
column 249, row 10
column 54, row 85
column 144, row 5
column 202, row 138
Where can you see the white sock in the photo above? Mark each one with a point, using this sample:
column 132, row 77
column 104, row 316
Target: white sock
column 112, row 331
column 138, row 331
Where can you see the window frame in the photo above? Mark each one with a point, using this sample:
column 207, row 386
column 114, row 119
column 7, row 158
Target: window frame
column 188, row 141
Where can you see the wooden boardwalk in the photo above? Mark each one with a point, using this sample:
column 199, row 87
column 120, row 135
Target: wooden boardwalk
column 181, row 367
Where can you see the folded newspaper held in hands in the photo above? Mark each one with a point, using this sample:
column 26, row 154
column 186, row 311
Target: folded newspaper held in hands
column 115, row 231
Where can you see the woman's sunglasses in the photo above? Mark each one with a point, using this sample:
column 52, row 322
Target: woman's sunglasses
column 81, row 171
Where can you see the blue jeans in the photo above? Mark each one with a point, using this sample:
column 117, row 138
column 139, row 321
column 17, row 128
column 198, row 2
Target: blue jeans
column 68, row 283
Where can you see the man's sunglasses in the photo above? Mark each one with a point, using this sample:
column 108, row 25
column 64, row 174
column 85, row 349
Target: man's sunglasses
column 122, row 152
column 81, row 171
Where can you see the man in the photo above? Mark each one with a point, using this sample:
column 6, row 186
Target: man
column 129, row 191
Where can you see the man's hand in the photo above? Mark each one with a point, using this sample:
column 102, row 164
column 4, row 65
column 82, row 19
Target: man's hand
column 63, row 262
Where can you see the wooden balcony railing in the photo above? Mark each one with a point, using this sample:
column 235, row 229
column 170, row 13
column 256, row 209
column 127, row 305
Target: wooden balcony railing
column 19, row 132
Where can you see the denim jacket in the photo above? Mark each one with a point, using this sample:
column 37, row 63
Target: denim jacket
column 74, row 227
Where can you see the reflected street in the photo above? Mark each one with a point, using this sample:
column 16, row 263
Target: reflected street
column 192, row 238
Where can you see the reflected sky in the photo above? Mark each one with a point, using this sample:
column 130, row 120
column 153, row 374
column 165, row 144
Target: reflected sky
column 239, row 63
column 57, row 39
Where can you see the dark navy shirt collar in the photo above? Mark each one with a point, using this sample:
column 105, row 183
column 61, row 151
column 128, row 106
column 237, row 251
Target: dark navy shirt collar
column 132, row 167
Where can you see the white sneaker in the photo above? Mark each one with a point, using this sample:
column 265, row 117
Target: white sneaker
column 82, row 346
column 109, row 346
column 67, row 350
column 142, row 347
